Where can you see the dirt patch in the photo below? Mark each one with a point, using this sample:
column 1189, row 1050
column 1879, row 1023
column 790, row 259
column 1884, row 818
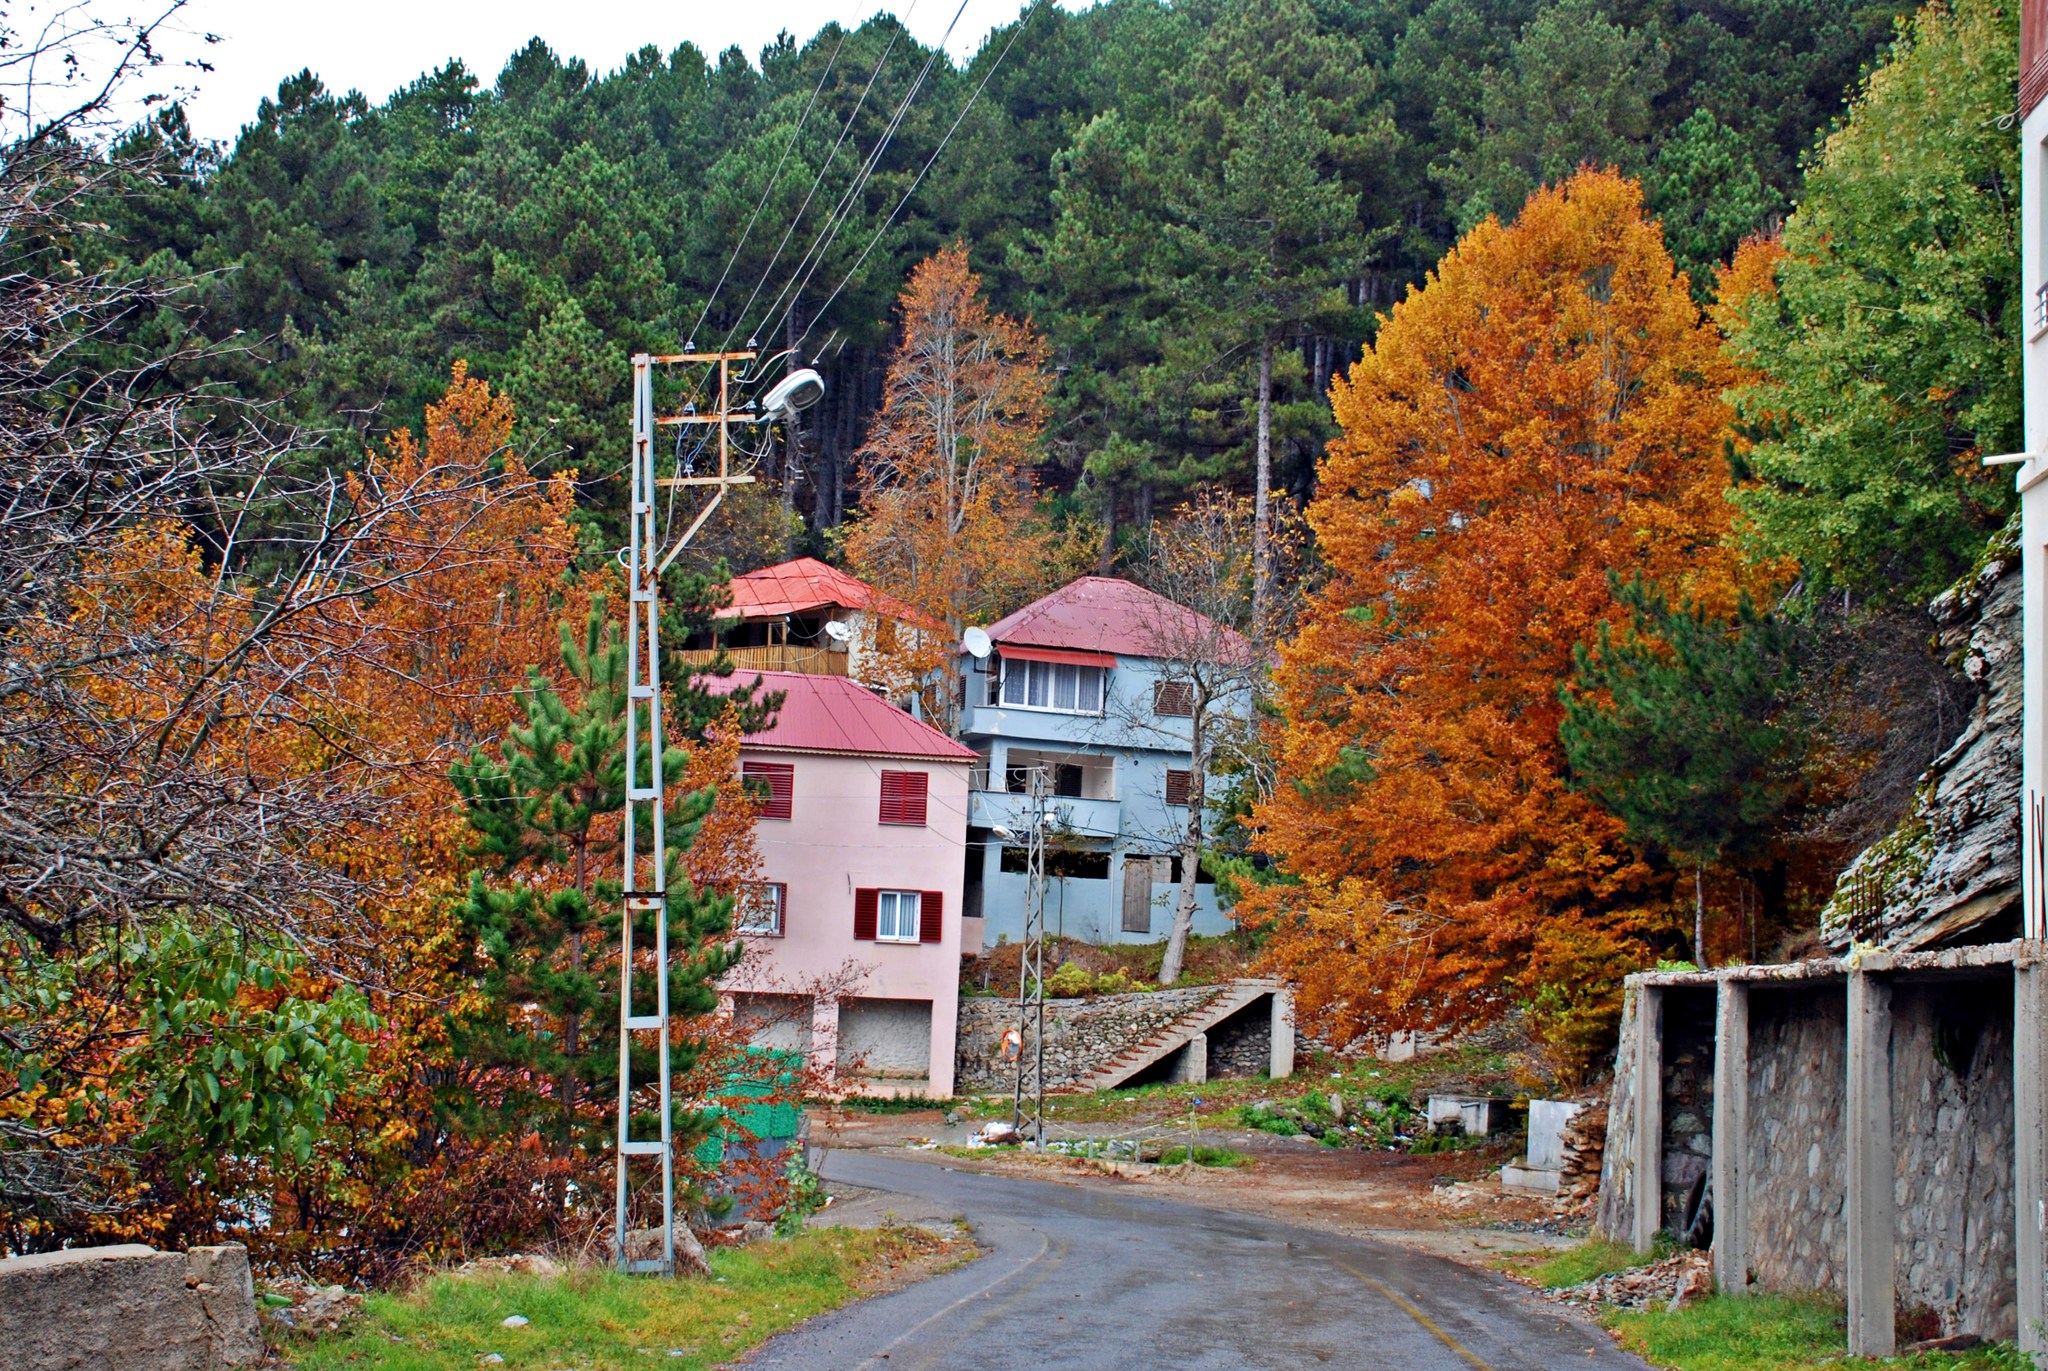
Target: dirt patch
column 913, row 1252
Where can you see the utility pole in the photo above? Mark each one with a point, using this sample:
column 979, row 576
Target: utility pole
column 1031, row 972
column 646, row 874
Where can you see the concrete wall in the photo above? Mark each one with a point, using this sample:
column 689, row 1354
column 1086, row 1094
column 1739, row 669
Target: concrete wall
column 833, row 843
column 129, row 1307
column 888, row 1039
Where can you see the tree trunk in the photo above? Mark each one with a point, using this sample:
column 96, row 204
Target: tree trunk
column 1262, row 551
column 1108, row 557
column 1699, row 916
column 1190, row 858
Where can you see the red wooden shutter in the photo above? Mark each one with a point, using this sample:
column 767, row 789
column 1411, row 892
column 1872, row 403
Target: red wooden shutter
column 779, row 781
column 931, row 910
column 903, row 797
column 1173, row 699
column 1176, row 787
column 864, row 915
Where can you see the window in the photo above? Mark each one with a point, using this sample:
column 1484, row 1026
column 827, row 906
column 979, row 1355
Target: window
column 773, row 785
column 758, row 908
column 1053, row 685
column 899, row 916
column 1176, row 786
column 896, row 916
column 1173, row 699
column 903, row 797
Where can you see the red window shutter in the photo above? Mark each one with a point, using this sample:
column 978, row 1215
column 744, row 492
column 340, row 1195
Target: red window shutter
column 1173, row 699
column 774, row 784
column 903, row 797
column 1176, row 786
column 864, row 915
column 931, row 910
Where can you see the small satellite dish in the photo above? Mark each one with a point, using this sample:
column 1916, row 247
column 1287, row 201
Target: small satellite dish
column 978, row 643
column 838, row 632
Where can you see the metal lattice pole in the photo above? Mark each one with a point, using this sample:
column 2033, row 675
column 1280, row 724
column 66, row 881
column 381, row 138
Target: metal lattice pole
column 646, row 886
column 1030, row 1118
column 646, row 874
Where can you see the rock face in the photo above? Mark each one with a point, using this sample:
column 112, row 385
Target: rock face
column 1951, row 871
column 130, row 1307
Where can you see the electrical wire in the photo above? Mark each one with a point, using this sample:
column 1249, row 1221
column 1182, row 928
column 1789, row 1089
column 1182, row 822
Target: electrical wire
column 814, row 258
column 818, row 180
column 965, row 110
column 769, row 188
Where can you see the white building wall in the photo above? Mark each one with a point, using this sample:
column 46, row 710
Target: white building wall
column 2033, row 486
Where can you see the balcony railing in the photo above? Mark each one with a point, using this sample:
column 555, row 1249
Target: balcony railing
column 1084, row 818
column 812, row 661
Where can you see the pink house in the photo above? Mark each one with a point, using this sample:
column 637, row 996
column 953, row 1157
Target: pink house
column 853, row 938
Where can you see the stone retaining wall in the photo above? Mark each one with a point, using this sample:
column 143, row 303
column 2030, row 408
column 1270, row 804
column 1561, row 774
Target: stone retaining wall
column 1798, row 1090
column 1081, row 1036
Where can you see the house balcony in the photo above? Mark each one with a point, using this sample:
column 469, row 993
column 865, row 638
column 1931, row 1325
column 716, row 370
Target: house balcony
column 1067, row 814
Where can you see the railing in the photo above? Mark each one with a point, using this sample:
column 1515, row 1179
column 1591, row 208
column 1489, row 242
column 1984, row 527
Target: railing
column 1083, row 818
column 813, row 661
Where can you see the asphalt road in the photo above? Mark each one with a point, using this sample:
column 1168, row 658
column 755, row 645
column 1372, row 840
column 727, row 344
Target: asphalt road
column 1084, row 1277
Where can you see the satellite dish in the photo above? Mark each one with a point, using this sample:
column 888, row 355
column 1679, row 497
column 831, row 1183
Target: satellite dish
column 800, row 389
column 838, row 632
column 978, row 643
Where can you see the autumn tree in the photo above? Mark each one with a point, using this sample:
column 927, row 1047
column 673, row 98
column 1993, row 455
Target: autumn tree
column 947, row 522
column 1545, row 411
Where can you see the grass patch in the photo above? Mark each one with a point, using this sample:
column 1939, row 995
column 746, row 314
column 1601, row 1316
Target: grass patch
column 1577, row 1265
column 1775, row 1333
column 599, row 1320
column 1205, row 1156
column 891, row 1104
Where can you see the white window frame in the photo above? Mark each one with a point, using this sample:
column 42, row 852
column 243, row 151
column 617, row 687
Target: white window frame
column 753, row 889
column 889, row 912
column 1026, row 668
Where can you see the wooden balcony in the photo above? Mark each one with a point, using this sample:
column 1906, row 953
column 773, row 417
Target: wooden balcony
column 812, row 661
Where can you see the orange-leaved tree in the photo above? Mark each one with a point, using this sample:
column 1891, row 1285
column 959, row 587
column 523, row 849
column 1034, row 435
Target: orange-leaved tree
column 1545, row 410
column 947, row 523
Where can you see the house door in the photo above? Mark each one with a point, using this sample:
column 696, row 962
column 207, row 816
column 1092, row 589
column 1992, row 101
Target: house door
column 1137, row 894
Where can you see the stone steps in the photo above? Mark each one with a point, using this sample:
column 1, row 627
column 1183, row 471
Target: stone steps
column 1235, row 996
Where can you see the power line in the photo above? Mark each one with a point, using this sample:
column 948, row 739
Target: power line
column 815, row 257
column 965, row 110
column 818, row 180
column 767, row 190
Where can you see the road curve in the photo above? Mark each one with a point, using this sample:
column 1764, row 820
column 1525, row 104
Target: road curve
column 1086, row 1277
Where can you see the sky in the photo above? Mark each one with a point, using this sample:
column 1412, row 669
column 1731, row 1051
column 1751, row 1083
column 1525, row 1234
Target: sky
column 376, row 46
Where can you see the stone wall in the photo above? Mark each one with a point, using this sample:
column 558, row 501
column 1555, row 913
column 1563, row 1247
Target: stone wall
column 1614, row 1210
column 1798, row 1088
column 130, row 1307
column 1242, row 1045
column 1081, row 1036
column 1952, row 1112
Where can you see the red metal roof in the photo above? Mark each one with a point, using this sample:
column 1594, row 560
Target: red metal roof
column 1104, row 614
column 807, row 584
column 833, row 714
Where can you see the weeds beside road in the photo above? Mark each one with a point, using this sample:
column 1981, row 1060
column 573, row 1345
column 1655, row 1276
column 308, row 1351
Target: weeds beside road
column 599, row 1320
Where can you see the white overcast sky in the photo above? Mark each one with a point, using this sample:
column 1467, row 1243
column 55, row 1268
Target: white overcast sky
column 376, row 46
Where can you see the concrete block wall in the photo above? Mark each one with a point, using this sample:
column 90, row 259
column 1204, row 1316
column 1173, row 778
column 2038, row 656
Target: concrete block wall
column 1868, row 1137
column 131, row 1307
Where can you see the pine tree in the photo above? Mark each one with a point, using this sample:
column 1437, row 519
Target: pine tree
column 1681, row 729
column 540, row 910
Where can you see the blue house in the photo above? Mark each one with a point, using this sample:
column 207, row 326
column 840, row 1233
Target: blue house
column 1092, row 683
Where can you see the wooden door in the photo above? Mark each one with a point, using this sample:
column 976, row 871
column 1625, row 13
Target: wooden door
column 1137, row 894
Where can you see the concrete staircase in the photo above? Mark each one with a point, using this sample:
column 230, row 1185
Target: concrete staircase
column 1233, row 996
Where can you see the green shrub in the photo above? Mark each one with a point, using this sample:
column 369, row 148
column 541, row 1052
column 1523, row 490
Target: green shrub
column 1070, row 981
